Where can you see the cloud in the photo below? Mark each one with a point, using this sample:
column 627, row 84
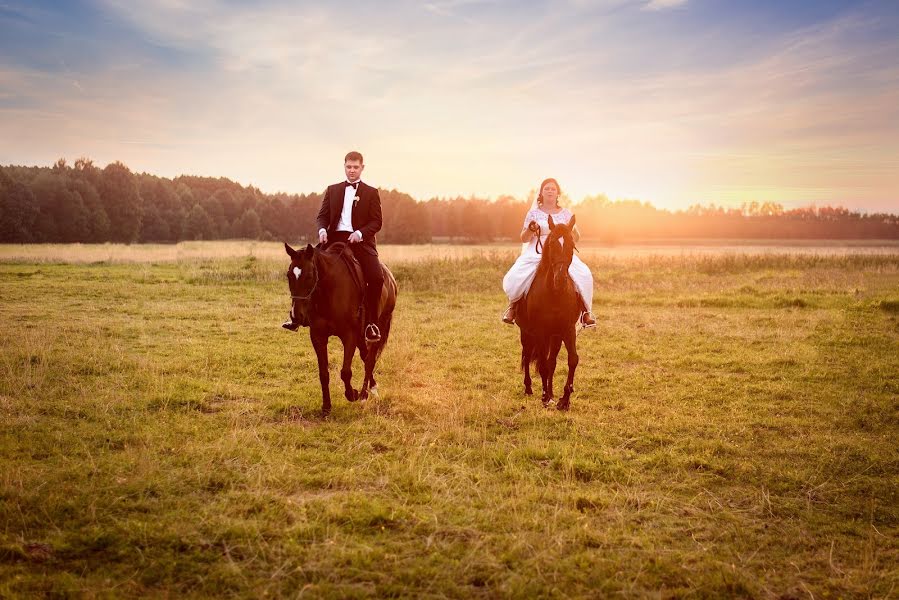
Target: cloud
column 663, row 4
column 448, row 8
column 476, row 99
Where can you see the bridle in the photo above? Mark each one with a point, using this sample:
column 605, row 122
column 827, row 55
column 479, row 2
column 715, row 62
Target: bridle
column 540, row 245
column 559, row 259
column 311, row 291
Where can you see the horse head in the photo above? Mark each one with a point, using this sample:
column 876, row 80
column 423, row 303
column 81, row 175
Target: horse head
column 560, row 250
column 302, row 279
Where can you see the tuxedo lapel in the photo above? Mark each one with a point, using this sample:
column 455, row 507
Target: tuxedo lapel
column 360, row 192
column 336, row 204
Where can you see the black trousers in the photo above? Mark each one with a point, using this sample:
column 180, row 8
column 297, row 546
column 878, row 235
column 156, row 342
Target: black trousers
column 371, row 273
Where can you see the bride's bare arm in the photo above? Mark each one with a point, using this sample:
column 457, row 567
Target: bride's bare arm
column 526, row 235
column 575, row 234
column 527, row 232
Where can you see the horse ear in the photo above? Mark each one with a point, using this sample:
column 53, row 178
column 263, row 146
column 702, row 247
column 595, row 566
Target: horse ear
column 290, row 251
column 549, row 219
column 309, row 251
column 571, row 222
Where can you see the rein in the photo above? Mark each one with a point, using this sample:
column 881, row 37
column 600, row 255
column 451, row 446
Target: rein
column 347, row 260
column 539, row 247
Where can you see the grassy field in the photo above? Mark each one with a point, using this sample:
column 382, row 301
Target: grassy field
column 733, row 433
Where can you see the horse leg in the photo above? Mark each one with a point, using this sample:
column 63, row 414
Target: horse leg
column 320, row 343
column 573, row 359
column 370, row 359
column 363, row 355
column 346, row 370
column 526, row 349
column 540, row 347
column 555, row 344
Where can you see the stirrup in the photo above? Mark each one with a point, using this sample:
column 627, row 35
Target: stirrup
column 508, row 316
column 372, row 333
column 587, row 320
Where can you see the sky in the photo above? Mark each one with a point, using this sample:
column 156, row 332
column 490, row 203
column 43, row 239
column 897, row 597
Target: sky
column 674, row 102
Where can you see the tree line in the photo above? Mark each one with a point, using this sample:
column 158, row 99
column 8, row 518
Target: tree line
column 84, row 203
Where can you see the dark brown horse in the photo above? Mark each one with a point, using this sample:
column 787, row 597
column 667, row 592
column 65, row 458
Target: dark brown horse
column 548, row 314
column 327, row 290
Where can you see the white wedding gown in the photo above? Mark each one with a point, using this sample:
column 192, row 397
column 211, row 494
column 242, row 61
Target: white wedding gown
column 519, row 278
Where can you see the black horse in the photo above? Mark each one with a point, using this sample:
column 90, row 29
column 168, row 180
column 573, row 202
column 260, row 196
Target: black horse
column 327, row 289
column 548, row 315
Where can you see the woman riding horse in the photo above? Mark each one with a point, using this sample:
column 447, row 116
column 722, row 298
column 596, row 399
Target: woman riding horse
column 548, row 314
column 533, row 234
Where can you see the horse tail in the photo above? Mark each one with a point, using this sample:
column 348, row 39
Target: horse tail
column 529, row 351
column 385, row 333
column 392, row 288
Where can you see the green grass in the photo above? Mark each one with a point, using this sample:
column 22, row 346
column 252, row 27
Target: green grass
column 732, row 433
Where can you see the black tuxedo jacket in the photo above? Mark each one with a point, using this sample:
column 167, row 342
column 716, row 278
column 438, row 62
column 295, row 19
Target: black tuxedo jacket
column 366, row 216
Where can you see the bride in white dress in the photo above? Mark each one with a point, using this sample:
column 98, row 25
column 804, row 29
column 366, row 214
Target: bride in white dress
column 519, row 278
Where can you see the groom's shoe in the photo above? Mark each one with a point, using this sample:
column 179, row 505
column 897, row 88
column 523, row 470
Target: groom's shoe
column 509, row 315
column 372, row 333
column 290, row 325
column 587, row 319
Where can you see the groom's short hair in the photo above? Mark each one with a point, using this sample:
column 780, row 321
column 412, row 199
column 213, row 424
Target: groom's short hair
column 353, row 156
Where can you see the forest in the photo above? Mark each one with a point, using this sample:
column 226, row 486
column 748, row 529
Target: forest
column 85, row 203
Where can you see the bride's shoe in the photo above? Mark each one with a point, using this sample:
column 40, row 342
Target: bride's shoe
column 587, row 319
column 509, row 315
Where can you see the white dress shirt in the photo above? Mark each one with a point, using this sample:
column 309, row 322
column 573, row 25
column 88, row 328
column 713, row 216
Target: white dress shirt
column 345, row 223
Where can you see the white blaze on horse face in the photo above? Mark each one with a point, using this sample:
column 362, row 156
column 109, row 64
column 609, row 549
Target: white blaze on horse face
column 297, row 271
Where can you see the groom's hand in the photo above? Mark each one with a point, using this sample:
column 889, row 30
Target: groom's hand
column 355, row 237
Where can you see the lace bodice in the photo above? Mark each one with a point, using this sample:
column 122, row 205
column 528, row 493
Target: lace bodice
column 542, row 219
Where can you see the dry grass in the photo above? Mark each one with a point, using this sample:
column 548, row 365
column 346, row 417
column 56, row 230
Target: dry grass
column 192, row 251
column 732, row 434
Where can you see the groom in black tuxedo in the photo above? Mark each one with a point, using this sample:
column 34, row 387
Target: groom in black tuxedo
column 351, row 213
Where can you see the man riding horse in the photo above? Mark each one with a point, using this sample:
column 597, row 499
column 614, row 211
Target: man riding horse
column 351, row 213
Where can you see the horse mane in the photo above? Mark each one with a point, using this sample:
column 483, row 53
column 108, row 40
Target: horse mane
column 341, row 252
column 337, row 248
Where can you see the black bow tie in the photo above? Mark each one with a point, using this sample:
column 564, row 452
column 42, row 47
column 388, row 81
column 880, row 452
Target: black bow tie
column 347, row 184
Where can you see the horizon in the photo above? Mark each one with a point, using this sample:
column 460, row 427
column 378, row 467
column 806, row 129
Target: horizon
column 566, row 200
column 670, row 102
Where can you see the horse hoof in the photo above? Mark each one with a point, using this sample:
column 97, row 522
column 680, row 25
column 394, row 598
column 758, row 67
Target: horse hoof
column 528, row 392
column 352, row 397
column 363, row 396
column 374, row 391
column 326, row 412
column 548, row 402
column 563, row 406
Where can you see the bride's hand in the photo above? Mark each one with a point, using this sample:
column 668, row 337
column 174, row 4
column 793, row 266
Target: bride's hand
column 532, row 226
